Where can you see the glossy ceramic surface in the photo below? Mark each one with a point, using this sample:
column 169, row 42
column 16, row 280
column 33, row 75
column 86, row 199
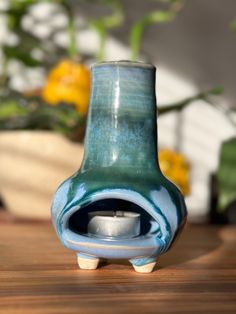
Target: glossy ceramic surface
column 120, row 169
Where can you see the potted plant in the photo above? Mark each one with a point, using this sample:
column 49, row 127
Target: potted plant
column 42, row 125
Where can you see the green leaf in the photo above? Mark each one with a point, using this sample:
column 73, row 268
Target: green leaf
column 10, row 109
column 233, row 25
column 20, row 54
column 19, row 4
column 31, row 113
column 226, row 173
column 157, row 16
column 218, row 90
column 105, row 23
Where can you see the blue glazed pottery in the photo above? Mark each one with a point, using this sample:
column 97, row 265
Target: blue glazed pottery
column 120, row 173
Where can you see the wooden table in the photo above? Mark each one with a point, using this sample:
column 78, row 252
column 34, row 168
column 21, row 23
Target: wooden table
column 38, row 275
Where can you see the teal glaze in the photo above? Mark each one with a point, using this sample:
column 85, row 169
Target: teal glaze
column 120, row 168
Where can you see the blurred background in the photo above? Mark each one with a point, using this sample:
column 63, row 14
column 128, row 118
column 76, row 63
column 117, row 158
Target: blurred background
column 46, row 49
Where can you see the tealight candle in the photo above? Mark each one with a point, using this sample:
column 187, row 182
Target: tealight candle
column 114, row 224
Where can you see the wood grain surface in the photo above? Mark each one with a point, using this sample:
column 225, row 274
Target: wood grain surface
column 38, row 275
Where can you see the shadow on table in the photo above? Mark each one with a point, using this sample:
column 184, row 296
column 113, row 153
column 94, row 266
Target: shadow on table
column 195, row 241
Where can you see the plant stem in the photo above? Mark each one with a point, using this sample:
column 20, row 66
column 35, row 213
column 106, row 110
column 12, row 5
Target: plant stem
column 72, row 48
column 102, row 33
column 135, row 39
column 154, row 17
column 180, row 105
column 225, row 111
column 103, row 24
column 4, row 75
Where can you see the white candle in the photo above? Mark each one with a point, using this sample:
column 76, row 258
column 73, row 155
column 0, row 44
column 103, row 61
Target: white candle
column 114, row 224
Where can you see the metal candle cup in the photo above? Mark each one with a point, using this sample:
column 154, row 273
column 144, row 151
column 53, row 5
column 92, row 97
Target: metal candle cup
column 114, row 224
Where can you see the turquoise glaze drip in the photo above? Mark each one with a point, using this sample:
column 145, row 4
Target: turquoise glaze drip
column 120, row 169
column 121, row 129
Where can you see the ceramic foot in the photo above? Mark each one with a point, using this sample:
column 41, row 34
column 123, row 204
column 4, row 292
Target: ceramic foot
column 148, row 268
column 87, row 262
column 144, row 266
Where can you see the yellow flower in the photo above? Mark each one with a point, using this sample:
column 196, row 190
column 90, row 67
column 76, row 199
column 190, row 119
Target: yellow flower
column 68, row 82
column 176, row 168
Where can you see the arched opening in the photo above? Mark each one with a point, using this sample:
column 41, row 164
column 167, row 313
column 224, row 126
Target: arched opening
column 78, row 221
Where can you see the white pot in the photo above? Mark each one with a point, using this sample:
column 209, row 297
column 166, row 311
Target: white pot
column 32, row 165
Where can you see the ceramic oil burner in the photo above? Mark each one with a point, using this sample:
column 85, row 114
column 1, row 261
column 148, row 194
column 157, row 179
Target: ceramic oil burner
column 119, row 205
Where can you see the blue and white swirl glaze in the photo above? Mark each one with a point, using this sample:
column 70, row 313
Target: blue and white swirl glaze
column 120, row 163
